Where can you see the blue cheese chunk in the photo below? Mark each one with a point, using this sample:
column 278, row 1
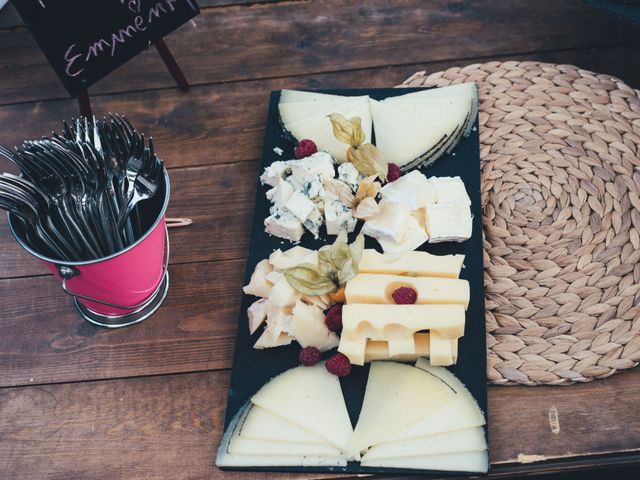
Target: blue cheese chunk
column 314, row 222
column 284, row 224
column 279, row 194
column 349, row 174
column 300, row 205
column 337, row 216
column 307, row 182
column 449, row 222
column 275, row 172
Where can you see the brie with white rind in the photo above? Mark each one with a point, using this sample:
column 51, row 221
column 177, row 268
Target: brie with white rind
column 414, row 236
column 449, row 222
column 311, row 398
column 448, row 190
column 412, row 190
column 390, row 224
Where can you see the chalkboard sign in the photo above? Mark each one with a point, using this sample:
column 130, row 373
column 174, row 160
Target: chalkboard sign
column 84, row 40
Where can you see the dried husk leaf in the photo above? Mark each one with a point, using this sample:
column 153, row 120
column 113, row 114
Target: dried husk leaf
column 306, row 279
column 367, row 188
column 368, row 160
column 347, row 131
column 366, row 209
column 340, row 190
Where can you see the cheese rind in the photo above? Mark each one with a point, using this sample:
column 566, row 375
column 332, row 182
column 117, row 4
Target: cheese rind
column 420, row 264
column 373, row 289
column 396, row 396
column 476, row 462
column 467, row 440
column 311, row 398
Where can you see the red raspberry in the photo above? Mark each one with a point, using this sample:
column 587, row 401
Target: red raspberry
column 305, row 148
column 404, row 296
column 339, row 365
column 333, row 318
column 393, row 172
column 310, row 356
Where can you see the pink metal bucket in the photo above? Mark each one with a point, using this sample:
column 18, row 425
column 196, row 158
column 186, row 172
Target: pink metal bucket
column 126, row 287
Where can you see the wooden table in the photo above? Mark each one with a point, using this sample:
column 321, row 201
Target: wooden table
column 79, row 402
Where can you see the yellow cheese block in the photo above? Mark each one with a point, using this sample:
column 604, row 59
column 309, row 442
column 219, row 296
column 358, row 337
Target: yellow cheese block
column 379, row 349
column 373, row 289
column 414, row 263
column 441, row 350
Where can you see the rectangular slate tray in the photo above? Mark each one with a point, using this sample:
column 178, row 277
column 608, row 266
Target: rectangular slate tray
column 253, row 368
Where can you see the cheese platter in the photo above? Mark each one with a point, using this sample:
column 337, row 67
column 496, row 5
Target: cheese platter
column 361, row 340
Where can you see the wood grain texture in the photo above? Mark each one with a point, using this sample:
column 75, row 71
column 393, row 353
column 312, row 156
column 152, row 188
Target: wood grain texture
column 285, row 39
column 170, row 426
column 194, row 330
column 219, row 199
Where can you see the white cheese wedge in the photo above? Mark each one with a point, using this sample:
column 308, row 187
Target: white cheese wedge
column 376, row 288
column 301, row 110
column 467, row 440
column 475, row 462
column 259, row 286
column 411, row 190
column 414, row 236
column 462, row 412
column 308, row 328
column 287, row 96
column 449, row 222
column 249, row 446
column 272, row 339
column 284, row 224
column 311, row 398
column 403, row 138
column 448, row 190
column 263, row 425
column 396, row 396
column 390, row 224
column 289, row 258
column 282, row 294
column 419, row 264
column 257, row 313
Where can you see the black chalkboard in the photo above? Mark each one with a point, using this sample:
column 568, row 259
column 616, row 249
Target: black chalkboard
column 253, row 368
column 84, row 40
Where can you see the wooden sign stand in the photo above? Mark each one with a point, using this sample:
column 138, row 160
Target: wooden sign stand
column 84, row 103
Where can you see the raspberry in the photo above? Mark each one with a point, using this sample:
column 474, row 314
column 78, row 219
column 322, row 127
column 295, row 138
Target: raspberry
column 393, row 172
column 404, row 296
column 305, row 148
column 310, row 356
column 333, row 318
column 339, row 365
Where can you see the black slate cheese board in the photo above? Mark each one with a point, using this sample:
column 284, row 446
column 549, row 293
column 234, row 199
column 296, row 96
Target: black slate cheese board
column 253, row 368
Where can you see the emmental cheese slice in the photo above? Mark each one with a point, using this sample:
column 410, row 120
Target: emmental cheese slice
column 396, row 396
column 418, row 264
column 379, row 349
column 372, row 289
column 311, row 398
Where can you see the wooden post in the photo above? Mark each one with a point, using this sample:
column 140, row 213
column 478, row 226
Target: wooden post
column 85, row 104
column 172, row 65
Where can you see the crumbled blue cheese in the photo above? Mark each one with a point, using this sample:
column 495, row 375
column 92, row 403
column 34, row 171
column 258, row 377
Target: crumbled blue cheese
column 349, row 174
column 314, row 222
column 275, row 172
column 284, row 224
column 337, row 216
column 278, row 151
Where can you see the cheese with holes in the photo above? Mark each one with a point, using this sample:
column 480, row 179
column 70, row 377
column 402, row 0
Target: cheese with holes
column 396, row 396
column 379, row 349
column 419, row 264
column 477, row 462
column 374, row 288
column 311, row 398
column 441, row 350
column 462, row 412
column 467, row 440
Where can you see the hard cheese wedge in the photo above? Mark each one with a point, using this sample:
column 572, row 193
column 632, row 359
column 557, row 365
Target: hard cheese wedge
column 234, row 451
column 477, row 462
column 372, row 288
column 462, row 412
column 396, row 396
column 311, row 398
column 260, row 424
column 468, row 440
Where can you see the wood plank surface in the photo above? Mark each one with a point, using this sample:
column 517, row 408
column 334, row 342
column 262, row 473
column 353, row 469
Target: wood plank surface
column 169, row 427
column 286, row 39
column 222, row 124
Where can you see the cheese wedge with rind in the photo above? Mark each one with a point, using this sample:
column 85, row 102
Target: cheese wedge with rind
column 419, row 264
column 377, row 288
column 473, row 462
column 467, row 440
column 311, row 115
column 461, row 412
column 240, row 445
column 304, row 96
column 396, row 396
column 311, row 398
column 261, row 424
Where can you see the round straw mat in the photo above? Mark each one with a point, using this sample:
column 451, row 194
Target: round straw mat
column 560, row 149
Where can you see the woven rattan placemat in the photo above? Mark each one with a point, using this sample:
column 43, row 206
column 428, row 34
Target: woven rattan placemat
column 560, row 150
